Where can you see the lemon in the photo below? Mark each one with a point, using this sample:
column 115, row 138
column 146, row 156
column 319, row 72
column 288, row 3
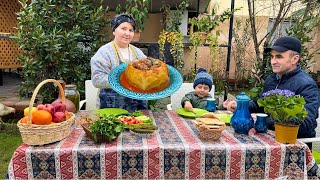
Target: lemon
column 26, row 111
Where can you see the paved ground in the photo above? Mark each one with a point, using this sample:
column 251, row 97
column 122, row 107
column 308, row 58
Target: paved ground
column 9, row 93
column 10, row 86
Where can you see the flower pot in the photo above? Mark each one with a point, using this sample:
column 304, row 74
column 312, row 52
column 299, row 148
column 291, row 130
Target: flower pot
column 286, row 134
column 136, row 37
column 203, row 36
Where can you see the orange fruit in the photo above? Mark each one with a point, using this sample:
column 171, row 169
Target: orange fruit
column 24, row 120
column 67, row 115
column 41, row 117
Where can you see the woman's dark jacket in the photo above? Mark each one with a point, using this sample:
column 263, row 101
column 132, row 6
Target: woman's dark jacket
column 300, row 83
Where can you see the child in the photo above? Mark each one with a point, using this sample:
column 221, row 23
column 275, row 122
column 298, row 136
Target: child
column 202, row 85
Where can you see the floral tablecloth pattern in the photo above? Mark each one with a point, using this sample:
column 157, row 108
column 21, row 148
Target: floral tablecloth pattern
column 174, row 152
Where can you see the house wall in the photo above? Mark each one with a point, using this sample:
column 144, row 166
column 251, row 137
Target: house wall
column 262, row 7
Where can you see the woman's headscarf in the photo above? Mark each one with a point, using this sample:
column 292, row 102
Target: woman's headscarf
column 121, row 18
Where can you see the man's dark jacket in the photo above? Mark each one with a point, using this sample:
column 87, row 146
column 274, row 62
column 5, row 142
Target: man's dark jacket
column 300, row 83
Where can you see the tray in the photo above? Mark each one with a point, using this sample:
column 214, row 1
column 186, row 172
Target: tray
column 175, row 83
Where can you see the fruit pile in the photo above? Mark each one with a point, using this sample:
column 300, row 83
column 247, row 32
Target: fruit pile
column 45, row 114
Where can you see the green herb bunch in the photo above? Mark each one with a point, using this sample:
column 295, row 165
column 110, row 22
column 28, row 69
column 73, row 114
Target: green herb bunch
column 107, row 126
column 284, row 106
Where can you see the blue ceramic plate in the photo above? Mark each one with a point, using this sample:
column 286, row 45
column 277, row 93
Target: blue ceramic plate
column 114, row 81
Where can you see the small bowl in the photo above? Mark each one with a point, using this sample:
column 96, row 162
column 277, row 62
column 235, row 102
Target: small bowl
column 100, row 138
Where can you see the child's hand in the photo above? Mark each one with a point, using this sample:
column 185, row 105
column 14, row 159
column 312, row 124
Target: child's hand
column 188, row 106
column 230, row 105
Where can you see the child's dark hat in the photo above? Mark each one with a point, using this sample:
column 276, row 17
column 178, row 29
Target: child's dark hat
column 203, row 77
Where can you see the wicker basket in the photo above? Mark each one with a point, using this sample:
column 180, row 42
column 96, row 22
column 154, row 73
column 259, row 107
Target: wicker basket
column 33, row 134
column 210, row 134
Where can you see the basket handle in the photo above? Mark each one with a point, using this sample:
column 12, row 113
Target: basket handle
column 35, row 92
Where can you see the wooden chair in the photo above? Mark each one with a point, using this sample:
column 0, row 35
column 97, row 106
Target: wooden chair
column 179, row 94
column 91, row 94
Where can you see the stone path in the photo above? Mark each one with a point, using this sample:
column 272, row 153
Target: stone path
column 9, row 93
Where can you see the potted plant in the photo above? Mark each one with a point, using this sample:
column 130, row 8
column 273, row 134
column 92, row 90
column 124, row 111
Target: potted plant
column 139, row 10
column 205, row 23
column 171, row 37
column 287, row 110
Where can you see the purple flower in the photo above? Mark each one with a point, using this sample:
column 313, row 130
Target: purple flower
column 284, row 92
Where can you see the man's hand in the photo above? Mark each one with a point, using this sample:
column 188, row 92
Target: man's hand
column 230, row 105
column 188, row 106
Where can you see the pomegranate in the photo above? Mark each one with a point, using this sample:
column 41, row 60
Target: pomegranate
column 59, row 117
column 58, row 106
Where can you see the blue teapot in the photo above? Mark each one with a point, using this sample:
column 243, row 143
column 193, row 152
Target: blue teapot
column 242, row 121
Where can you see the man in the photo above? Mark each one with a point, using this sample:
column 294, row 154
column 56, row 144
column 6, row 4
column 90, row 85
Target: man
column 285, row 55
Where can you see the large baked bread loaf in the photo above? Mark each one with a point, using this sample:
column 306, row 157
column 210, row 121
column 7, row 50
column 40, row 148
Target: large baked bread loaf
column 147, row 74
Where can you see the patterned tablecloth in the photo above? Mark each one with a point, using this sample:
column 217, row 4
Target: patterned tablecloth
column 175, row 152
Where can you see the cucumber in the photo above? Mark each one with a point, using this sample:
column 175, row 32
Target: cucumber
column 148, row 126
column 143, row 126
column 143, row 131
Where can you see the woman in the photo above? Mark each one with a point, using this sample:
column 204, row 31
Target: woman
column 112, row 55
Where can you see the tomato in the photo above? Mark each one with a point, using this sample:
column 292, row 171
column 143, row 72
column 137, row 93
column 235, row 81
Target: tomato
column 129, row 120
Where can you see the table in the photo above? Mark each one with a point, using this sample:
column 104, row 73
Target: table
column 175, row 152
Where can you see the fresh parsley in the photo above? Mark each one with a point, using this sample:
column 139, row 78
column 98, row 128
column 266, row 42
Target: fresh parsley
column 107, row 126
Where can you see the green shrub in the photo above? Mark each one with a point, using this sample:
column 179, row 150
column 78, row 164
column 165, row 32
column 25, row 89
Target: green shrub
column 58, row 39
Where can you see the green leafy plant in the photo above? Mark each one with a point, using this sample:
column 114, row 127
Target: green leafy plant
column 207, row 22
column 58, row 38
column 175, row 40
column 138, row 9
column 107, row 126
column 173, row 18
column 202, row 27
column 284, row 106
column 171, row 35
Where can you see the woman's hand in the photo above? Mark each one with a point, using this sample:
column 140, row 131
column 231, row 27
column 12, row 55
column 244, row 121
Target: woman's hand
column 188, row 106
column 230, row 105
